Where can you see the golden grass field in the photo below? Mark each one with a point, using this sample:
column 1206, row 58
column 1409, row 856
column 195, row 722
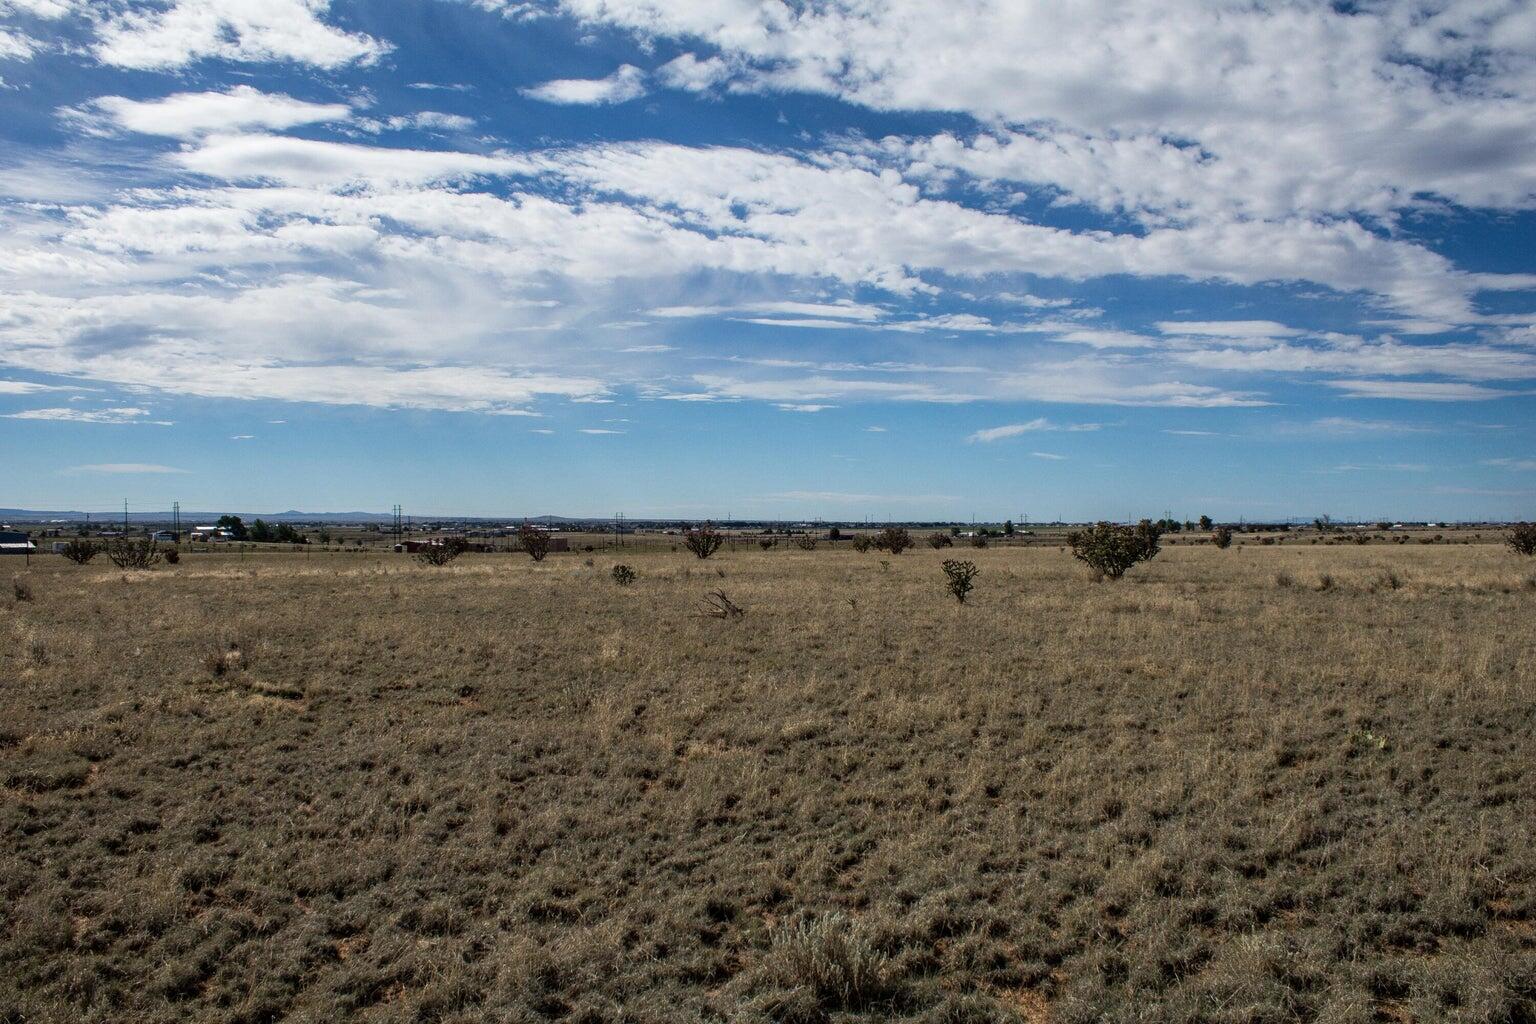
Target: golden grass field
column 332, row 787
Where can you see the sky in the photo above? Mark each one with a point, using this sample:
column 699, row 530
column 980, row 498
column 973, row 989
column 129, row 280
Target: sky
column 881, row 259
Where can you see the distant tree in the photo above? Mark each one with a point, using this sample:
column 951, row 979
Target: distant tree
column 234, row 525
column 1205, row 522
column 286, row 534
column 834, row 534
column 954, row 531
column 1323, row 524
column 703, row 541
column 325, row 536
column 261, row 533
column 534, row 541
column 937, row 540
column 960, row 577
column 1222, row 537
column 80, row 551
column 1109, row 550
column 1522, row 539
column 894, row 539
column 1008, row 528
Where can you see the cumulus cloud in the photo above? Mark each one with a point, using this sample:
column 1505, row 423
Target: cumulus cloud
column 185, row 31
column 625, row 84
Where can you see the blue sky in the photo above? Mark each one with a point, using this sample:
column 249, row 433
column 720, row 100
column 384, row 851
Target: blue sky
column 716, row 257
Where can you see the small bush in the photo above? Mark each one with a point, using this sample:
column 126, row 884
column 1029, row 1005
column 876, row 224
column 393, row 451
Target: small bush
column 442, row 552
column 703, row 541
column 1324, row 582
column 623, row 575
column 80, row 550
column 172, row 557
column 894, row 539
column 1522, row 539
column 979, row 541
column 1284, row 579
column 127, row 553
column 768, row 543
column 1387, row 579
column 937, row 540
column 836, row 961
column 960, row 577
column 805, row 542
column 1109, row 550
column 862, row 543
column 22, row 588
column 1222, row 537
column 534, row 541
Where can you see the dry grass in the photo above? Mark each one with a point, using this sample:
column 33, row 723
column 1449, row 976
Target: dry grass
column 316, row 788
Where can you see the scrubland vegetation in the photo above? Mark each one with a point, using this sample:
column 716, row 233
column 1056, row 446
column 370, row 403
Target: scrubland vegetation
column 362, row 787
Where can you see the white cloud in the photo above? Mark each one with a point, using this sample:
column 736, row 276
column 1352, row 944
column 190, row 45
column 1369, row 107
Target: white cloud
column 598, row 430
column 1229, row 329
column 1520, row 464
column 1418, row 391
column 190, row 114
column 25, row 387
column 625, row 84
column 803, row 407
column 991, row 434
column 187, row 31
column 1052, row 456
column 116, row 414
column 126, row 467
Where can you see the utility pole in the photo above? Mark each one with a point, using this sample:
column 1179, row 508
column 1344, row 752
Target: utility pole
column 125, row 516
column 176, row 520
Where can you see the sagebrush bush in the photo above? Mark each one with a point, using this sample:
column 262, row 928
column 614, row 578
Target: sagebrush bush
column 172, row 556
column 1222, row 537
column 894, row 539
column 623, row 575
column 1109, row 549
column 768, row 543
column 127, row 553
column 1522, row 539
column 862, row 543
column 937, row 540
column 805, row 542
column 534, row 541
column 22, row 588
column 960, row 577
column 80, row 550
column 979, row 540
column 704, row 540
column 835, row 960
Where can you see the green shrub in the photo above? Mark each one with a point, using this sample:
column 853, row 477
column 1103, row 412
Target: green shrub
column 1522, row 539
column 443, row 551
column 703, row 541
column 1222, row 537
column 960, row 577
column 80, row 551
column 894, row 539
column 862, row 543
column 1109, row 550
column 127, row 553
column 937, row 540
column 805, row 542
column 534, row 541
column 623, row 575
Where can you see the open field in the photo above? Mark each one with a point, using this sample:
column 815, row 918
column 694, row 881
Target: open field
column 322, row 787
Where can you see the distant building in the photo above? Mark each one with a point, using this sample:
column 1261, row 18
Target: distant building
column 210, row 534
column 165, row 536
column 14, row 543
